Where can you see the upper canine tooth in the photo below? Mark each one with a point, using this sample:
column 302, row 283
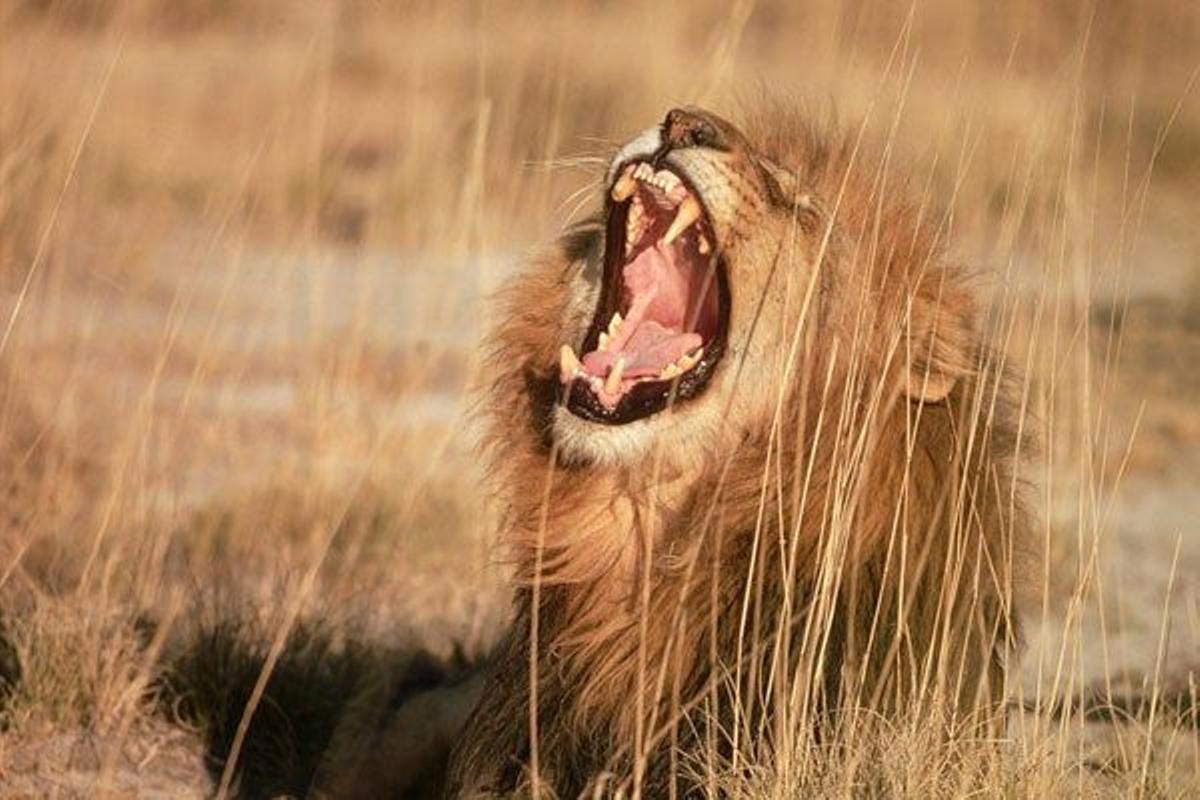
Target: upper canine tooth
column 689, row 212
column 603, row 340
column 624, row 186
column 612, row 384
column 668, row 372
column 705, row 247
column 568, row 361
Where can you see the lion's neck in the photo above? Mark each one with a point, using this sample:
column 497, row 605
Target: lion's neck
column 607, row 539
column 598, row 524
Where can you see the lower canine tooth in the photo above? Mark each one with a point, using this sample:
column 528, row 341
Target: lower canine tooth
column 603, row 340
column 705, row 247
column 614, row 323
column 612, row 384
column 689, row 212
column 568, row 361
column 668, row 372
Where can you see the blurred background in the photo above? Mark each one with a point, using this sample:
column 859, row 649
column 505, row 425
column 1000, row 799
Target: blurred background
column 245, row 247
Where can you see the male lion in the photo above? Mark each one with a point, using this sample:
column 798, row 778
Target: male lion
column 756, row 468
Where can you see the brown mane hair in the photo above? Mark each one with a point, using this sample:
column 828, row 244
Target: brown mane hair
column 856, row 550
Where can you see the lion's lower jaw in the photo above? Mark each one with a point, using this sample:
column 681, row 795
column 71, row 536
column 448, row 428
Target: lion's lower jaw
column 582, row 441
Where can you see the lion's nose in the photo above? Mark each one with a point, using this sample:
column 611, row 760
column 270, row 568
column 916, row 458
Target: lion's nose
column 685, row 127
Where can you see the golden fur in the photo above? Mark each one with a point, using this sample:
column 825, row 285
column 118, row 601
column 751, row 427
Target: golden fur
column 833, row 523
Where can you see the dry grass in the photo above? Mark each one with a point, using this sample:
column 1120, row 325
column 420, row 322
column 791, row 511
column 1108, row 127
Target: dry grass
column 242, row 246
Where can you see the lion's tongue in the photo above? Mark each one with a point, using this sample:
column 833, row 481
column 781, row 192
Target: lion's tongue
column 651, row 336
column 647, row 352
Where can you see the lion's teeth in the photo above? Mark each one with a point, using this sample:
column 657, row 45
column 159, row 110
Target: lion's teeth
column 666, row 180
column 615, row 323
column 633, row 225
column 686, row 362
column 643, row 172
column 689, row 212
column 568, row 361
column 624, row 186
column 612, row 384
column 705, row 247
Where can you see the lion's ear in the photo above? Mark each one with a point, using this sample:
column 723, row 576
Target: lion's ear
column 941, row 344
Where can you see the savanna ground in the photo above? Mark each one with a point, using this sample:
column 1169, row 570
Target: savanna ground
column 243, row 250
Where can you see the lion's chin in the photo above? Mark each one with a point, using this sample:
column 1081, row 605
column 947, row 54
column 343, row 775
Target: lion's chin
column 670, row 435
column 580, row 441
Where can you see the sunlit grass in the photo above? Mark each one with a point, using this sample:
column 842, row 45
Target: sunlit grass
column 242, row 251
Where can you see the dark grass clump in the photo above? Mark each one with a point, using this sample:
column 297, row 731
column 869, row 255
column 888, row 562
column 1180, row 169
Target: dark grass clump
column 324, row 704
column 10, row 672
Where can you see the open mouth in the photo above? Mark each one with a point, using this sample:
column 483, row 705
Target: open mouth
column 660, row 324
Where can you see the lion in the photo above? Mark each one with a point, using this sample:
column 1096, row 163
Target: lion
column 756, row 463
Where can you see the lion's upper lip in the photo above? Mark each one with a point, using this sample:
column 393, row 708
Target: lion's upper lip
column 663, row 305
